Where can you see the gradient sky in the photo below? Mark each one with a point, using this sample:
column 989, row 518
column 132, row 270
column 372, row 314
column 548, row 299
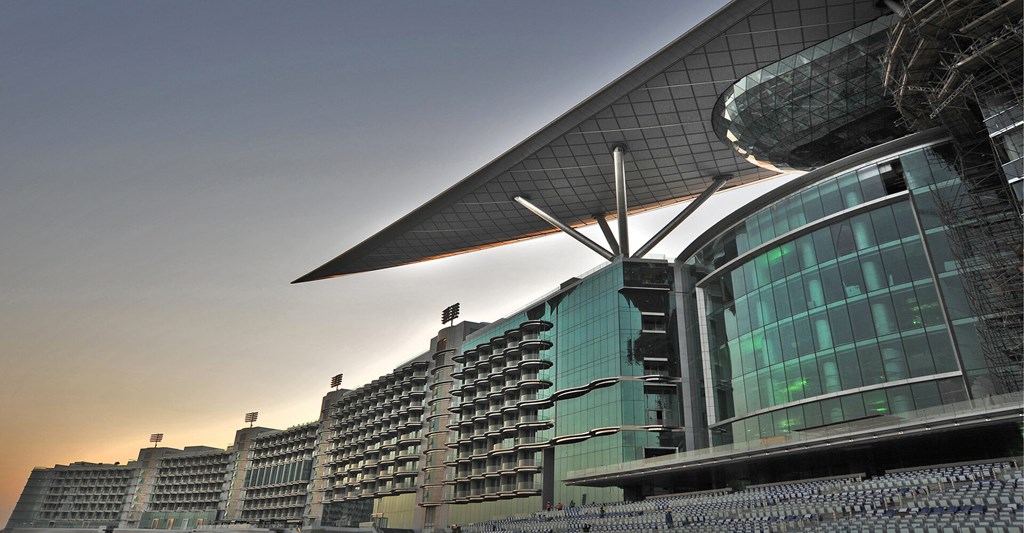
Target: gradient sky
column 167, row 168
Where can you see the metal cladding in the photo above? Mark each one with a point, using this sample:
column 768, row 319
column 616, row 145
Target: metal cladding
column 661, row 110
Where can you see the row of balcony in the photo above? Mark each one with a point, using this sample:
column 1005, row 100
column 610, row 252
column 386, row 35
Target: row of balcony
column 491, row 447
column 284, row 449
column 509, row 407
column 93, row 477
column 296, row 433
column 198, row 506
column 167, row 471
column 499, row 362
column 376, row 390
column 88, row 491
column 474, row 393
column 380, row 489
column 282, row 459
column 279, row 485
column 515, row 428
column 284, row 489
column 411, row 416
column 175, row 497
column 83, row 507
column 179, row 481
column 195, row 462
column 527, row 331
column 112, row 515
column 481, row 492
column 276, row 503
column 374, row 451
column 394, row 400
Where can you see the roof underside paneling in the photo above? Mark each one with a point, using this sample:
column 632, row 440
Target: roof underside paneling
column 661, row 110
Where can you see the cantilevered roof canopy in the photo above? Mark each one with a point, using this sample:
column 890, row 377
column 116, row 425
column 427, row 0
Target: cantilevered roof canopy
column 661, row 110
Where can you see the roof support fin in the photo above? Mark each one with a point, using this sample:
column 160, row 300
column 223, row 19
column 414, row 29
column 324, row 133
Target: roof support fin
column 683, row 215
column 607, row 230
column 620, row 198
column 565, row 227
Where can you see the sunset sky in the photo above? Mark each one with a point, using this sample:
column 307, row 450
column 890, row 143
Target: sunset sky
column 167, row 168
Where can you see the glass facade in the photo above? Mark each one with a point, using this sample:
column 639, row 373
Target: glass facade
column 812, row 107
column 586, row 377
column 838, row 302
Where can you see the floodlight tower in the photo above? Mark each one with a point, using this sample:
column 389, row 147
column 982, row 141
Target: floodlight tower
column 251, row 417
column 450, row 313
column 336, row 381
column 155, row 438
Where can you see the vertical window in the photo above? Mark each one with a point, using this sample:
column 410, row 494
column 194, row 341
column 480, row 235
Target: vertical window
column 871, row 369
column 919, row 357
column 848, row 368
column 805, row 252
column 824, row 245
column 839, row 320
column 860, row 319
column 831, row 284
column 853, row 407
column 849, row 190
column 842, row 236
column 830, row 200
column 812, row 380
column 853, row 280
column 884, row 224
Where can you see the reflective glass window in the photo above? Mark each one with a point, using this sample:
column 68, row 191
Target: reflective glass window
column 797, row 297
column 904, row 217
column 848, row 368
column 875, row 403
column 942, row 349
column 849, row 190
column 900, row 399
column 831, row 201
column 812, row 415
column 804, row 338
column 853, row 279
column 894, row 361
column 839, row 320
column 805, row 252
column 871, row 370
column 853, row 406
column 884, row 224
column 781, row 297
column 842, row 236
column 824, row 246
column 831, row 283
column 871, row 183
column 919, row 356
column 925, row 394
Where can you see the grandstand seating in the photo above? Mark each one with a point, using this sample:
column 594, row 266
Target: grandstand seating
column 962, row 498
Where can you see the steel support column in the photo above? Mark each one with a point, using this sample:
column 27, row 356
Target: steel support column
column 565, row 227
column 607, row 230
column 683, row 215
column 620, row 198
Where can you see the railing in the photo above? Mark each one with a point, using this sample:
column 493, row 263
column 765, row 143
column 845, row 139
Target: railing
column 1003, row 405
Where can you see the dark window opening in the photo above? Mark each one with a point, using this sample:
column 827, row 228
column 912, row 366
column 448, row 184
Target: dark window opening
column 892, row 177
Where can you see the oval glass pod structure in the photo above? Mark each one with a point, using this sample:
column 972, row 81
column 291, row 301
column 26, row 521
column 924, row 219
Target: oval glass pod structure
column 810, row 108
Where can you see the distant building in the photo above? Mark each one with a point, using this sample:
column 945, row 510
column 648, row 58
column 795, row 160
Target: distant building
column 276, row 482
column 77, row 495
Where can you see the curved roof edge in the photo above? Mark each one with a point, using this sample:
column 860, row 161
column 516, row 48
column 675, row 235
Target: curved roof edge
column 860, row 158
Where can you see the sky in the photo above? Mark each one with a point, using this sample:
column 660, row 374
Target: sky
column 167, row 168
